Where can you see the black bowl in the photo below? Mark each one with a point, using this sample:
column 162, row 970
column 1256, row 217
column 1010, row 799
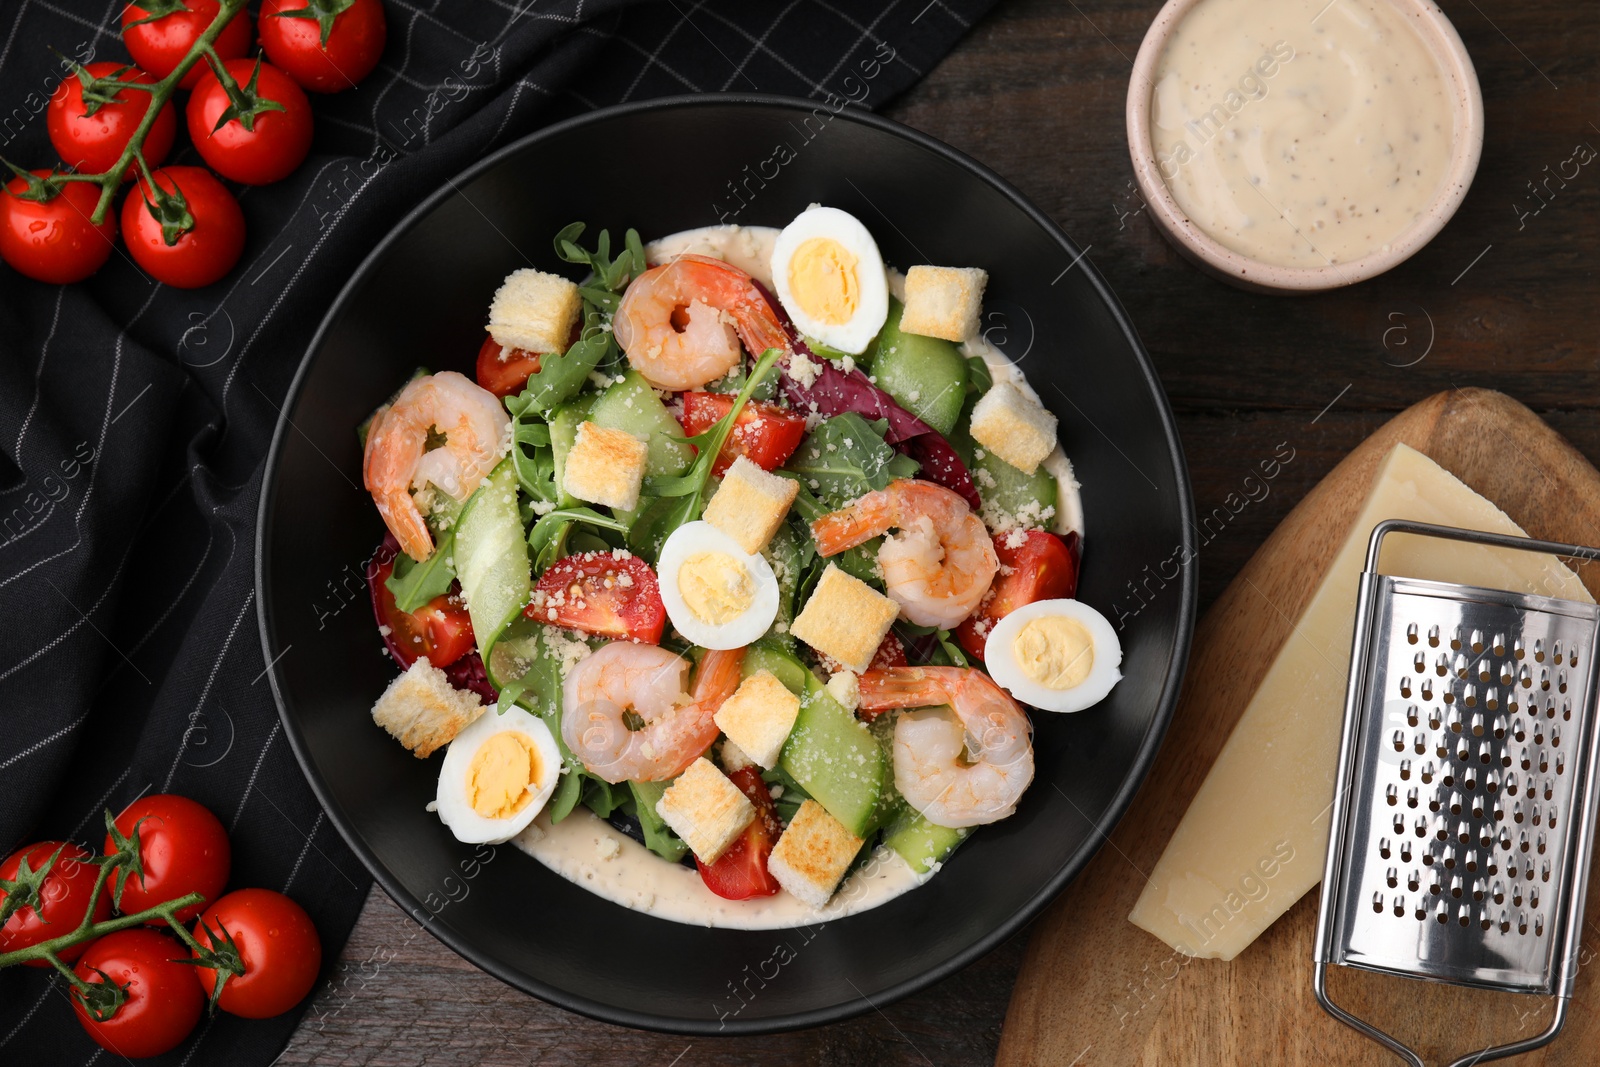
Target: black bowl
column 420, row 299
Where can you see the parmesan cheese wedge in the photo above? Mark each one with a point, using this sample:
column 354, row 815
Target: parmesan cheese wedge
column 1256, row 834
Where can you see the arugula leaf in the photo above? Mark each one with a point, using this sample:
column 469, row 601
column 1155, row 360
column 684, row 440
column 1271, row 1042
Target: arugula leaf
column 561, row 376
column 680, row 498
column 845, row 457
column 549, row 533
column 414, row 584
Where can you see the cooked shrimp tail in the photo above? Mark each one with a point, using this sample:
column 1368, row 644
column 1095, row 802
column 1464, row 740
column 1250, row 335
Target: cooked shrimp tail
column 626, row 716
column 398, row 461
column 938, row 567
column 681, row 322
column 957, row 772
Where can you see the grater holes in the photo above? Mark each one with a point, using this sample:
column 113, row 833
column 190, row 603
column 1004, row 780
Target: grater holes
column 1411, row 634
column 1455, row 803
column 1533, row 897
column 1537, row 817
column 1442, row 913
column 1499, row 893
column 1426, row 689
column 1427, row 773
column 1453, row 720
column 1491, row 782
column 1555, row 652
column 1470, row 779
column 1524, row 677
column 1491, row 700
column 1544, row 681
column 1561, row 765
column 1414, row 881
column 1399, row 906
column 1419, row 662
column 1538, row 926
column 1399, row 823
column 1405, row 686
column 1377, row 903
column 1477, row 808
column 1434, row 719
column 1511, row 785
column 1538, row 650
column 1566, row 710
column 1455, row 640
column 1519, row 649
column 1472, row 861
column 1477, row 641
column 1506, row 673
column 1392, row 794
column 1544, row 871
column 1499, row 647
column 1405, row 851
column 1449, row 858
column 1561, row 685
column 1519, row 732
column 1486, row 753
column 1542, row 844
column 1463, row 831
column 1393, row 877
column 1459, row 665
column 1411, row 715
column 1405, row 769
column 1516, row 896
column 1411, row 797
column 1464, row 915
column 1550, row 710
column 1433, row 636
column 1555, row 737
column 1469, row 697
column 1399, row 740
column 1484, row 674
column 1478, row 726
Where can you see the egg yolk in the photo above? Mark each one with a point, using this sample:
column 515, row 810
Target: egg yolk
column 500, row 774
column 715, row 587
column 823, row 281
column 1055, row 652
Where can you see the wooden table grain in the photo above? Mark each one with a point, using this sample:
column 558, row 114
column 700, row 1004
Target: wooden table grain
column 1505, row 297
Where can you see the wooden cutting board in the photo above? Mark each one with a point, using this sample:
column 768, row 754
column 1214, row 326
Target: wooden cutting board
column 1096, row 990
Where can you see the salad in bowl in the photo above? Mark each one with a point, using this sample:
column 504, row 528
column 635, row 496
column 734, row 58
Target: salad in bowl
column 730, row 579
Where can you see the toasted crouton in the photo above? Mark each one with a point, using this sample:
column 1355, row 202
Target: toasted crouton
column 758, row 717
column 423, row 711
column 705, row 809
column 1014, row 426
column 845, row 618
column 944, row 302
column 606, row 466
column 534, row 311
column 812, row 854
column 750, row 504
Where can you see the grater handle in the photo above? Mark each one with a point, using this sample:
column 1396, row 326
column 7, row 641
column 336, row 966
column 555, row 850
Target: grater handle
column 1319, row 985
column 1451, row 533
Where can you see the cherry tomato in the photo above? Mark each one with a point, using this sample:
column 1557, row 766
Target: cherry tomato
column 54, row 241
column 159, row 46
column 163, row 1004
column 891, row 653
column 58, row 902
column 504, row 372
column 440, row 631
column 1042, row 567
column 277, row 141
column 201, row 254
column 741, row 872
column 766, row 433
column 277, row 944
column 182, row 848
column 93, row 143
column 600, row 593
column 352, row 49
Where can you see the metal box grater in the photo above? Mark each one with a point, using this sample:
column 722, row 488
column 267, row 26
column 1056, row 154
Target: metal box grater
column 1465, row 803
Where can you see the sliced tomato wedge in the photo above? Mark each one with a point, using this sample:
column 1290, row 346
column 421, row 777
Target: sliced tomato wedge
column 1042, row 567
column 440, row 630
column 891, row 653
column 505, row 371
column 609, row 594
column 766, row 433
column 741, row 872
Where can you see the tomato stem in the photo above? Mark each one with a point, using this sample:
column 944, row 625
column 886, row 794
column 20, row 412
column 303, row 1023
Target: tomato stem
column 161, row 92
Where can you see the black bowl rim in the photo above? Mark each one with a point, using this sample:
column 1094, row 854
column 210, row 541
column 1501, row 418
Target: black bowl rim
column 846, row 1009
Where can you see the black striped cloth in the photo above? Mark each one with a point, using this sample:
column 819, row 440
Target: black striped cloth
column 134, row 419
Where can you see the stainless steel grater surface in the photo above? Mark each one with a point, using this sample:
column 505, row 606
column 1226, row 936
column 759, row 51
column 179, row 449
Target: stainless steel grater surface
column 1465, row 803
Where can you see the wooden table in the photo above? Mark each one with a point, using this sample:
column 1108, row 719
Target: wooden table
column 1504, row 297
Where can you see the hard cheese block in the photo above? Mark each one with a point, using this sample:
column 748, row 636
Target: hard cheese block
column 1256, row 834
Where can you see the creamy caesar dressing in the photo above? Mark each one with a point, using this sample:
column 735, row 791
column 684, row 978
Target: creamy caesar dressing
column 1302, row 133
column 585, row 849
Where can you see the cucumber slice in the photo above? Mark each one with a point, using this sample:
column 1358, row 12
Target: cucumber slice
column 563, row 432
column 767, row 655
column 1008, row 491
column 633, row 406
column 492, row 558
column 657, row 837
column 920, row 843
column 926, row 375
column 836, row 759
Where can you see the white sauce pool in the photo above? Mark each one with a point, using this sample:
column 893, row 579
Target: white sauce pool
column 1301, row 133
column 585, row 849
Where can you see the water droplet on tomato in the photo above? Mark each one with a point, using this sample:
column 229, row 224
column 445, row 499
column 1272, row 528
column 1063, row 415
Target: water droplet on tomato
column 36, row 225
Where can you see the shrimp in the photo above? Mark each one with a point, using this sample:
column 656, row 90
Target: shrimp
column 723, row 306
column 397, row 460
column 670, row 728
column 939, row 566
column 965, row 772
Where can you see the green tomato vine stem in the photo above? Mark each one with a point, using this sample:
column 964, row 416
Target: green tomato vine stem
column 160, row 93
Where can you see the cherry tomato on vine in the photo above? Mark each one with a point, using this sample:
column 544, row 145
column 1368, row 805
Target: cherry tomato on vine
column 53, row 240
column 93, row 142
column 276, row 142
column 186, row 257
column 163, row 1004
column 277, row 943
column 59, row 899
column 183, row 849
column 325, row 45
column 160, row 44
